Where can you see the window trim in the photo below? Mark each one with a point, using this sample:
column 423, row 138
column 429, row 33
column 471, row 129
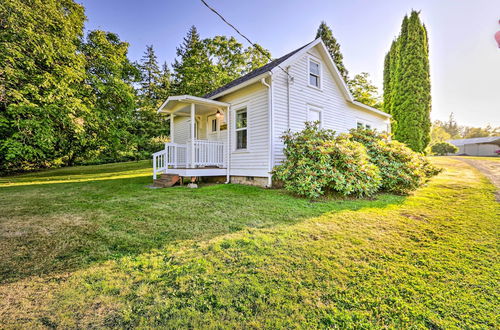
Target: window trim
column 235, row 147
column 320, row 76
column 317, row 109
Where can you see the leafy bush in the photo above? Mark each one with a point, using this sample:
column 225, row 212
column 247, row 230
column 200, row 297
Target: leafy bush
column 402, row 169
column 317, row 162
column 443, row 148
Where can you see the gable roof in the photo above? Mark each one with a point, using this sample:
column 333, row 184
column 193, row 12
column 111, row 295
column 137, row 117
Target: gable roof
column 283, row 61
column 255, row 73
column 481, row 140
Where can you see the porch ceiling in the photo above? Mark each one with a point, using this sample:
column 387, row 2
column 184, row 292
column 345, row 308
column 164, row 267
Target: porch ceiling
column 182, row 103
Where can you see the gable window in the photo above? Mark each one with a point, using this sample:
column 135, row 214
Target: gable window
column 314, row 73
column 314, row 115
column 241, row 129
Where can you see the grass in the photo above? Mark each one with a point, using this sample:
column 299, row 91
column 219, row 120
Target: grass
column 243, row 257
column 62, row 220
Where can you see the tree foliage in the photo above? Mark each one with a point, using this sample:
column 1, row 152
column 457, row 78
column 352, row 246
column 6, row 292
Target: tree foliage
column 203, row 65
column 455, row 131
column 443, row 148
column 326, row 34
column 364, row 91
column 110, row 77
column 42, row 113
column 407, row 89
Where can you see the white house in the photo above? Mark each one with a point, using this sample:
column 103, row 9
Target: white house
column 235, row 131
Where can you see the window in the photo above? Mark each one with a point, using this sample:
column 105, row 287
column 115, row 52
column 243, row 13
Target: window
column 362, row 124
column 214, row 125
column 314, row 73
column 314, row 115
column 241, row 129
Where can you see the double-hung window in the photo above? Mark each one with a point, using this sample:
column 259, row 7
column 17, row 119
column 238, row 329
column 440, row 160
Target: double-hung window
column 314, row 73
column 241, row 129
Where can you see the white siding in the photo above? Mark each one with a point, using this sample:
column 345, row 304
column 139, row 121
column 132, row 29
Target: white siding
column 337, row 113
column 255, row 160
column 181, row 129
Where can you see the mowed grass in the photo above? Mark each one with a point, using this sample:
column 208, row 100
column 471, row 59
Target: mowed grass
column 62, row 220
column 242, row 257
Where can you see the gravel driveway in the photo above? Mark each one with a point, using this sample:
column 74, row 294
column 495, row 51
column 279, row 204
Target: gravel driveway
column 490, row 168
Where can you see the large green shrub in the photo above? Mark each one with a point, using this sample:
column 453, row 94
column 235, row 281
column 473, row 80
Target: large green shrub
column 443, row 148
column 318, row 162
column 402, row 169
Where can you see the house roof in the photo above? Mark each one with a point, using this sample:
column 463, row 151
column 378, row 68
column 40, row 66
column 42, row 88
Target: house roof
column 285, row 60
column 481, row 140
column 255, row 73
column 177, row 102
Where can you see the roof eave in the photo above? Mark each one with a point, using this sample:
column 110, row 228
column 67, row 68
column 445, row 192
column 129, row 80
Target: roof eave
column 239, row 86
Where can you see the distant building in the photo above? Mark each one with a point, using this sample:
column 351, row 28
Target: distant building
column 483, row 146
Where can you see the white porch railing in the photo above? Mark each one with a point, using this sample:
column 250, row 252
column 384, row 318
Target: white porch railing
column 175, row 155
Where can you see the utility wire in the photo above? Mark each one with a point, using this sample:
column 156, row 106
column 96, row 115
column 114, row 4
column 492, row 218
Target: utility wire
column 241, row 34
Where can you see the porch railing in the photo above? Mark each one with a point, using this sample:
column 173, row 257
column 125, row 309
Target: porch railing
column 175, row 155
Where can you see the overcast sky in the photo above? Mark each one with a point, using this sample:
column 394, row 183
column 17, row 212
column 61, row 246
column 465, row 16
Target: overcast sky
column 465, row 60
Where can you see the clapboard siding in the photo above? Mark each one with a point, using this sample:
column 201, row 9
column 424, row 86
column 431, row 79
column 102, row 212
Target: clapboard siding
column 255, row 160
column 336, row 112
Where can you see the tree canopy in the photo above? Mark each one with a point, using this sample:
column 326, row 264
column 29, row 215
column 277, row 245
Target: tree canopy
column 67, row 98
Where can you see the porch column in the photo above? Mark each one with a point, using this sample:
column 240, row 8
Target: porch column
column 172, row 128
column 192, row 135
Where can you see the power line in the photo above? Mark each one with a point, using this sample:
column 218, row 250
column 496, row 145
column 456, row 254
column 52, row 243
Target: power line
column 241, row 34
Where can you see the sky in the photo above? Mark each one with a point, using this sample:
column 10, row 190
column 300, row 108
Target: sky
column 464, row 57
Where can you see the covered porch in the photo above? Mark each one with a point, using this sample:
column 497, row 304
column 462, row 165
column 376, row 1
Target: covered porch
column 199, row 138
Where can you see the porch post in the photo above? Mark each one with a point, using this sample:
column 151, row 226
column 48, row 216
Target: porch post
column 192, row 135
column 172, row 128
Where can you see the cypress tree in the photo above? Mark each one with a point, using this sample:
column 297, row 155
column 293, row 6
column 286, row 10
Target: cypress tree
column 325, row 33
column 407, row 84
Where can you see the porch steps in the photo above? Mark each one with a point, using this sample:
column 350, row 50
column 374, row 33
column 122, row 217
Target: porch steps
column 166, row 180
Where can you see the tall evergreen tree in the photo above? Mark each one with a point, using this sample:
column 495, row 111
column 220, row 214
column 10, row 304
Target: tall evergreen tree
column 150, row 75
column 325, row 33
column 407, row 89
column 154, row 89
column 42, row 113
column 192, row 69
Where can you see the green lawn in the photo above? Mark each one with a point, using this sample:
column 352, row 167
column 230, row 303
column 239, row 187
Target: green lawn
column 93, row 247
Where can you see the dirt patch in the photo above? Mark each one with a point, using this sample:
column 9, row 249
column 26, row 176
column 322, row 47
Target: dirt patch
column 490, row 169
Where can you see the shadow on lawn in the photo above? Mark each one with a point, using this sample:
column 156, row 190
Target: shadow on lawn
column 60, row 227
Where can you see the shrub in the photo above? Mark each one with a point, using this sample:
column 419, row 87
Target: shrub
column 443, row 148
column 318, row 162
column 402, row 170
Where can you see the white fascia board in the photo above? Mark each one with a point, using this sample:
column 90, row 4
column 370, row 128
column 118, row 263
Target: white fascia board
column 371, row 109
column 191, row 99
